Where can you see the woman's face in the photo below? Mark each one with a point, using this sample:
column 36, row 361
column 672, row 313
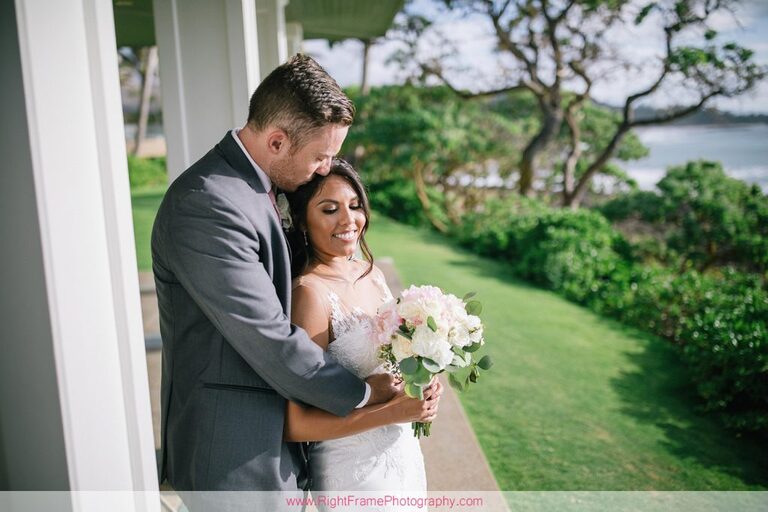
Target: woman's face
column 335, row 219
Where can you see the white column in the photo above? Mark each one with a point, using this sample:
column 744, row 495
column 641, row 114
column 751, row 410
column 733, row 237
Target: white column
column 70, row 298
column 209, row 67
column 295, row 35
column 273, row 44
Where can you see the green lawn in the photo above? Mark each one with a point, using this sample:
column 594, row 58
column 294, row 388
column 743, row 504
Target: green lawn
column 574, row 401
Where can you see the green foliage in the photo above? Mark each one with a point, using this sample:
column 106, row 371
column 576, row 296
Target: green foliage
column 724, row 338
column 574, row 252
column 422, row 137
column 396, row 198
column 719, row 322
column 147, row 172
column 707, row 218
column 402, row 127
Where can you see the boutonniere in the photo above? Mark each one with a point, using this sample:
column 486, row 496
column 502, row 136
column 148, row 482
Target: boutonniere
column 285, row 211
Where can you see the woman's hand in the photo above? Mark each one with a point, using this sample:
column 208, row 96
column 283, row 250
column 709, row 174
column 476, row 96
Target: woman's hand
column 406, row 409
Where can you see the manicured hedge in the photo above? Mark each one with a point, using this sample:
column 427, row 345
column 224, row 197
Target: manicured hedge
column 718, row 320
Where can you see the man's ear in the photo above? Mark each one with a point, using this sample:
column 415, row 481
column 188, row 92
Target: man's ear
column 277, row 142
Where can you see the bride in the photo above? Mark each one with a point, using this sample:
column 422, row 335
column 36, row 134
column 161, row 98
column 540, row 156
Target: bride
column 335, row 296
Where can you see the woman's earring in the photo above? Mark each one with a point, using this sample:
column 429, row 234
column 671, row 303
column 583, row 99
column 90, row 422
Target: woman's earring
column 306, row 240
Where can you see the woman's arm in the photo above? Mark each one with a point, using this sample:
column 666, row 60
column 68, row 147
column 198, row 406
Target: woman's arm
column 312, row 424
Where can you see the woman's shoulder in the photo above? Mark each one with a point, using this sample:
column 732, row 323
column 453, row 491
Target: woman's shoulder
column 309, row 280
column 308, row 292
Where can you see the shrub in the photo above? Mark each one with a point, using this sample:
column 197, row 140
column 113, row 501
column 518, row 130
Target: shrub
column 719, row 320
column 723, row 336
column 147, row 172
column 396, row 198
column 573, row 252
column 707, row 218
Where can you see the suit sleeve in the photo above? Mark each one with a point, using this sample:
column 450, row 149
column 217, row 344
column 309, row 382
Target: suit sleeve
column 215, row 255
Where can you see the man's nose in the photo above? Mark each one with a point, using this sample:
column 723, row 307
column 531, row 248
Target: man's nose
column 324, row 168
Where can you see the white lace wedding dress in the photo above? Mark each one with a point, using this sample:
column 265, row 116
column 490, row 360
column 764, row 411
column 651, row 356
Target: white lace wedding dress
column 385, row 459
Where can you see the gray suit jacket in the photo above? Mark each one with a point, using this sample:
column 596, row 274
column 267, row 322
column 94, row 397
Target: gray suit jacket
column 231, row 356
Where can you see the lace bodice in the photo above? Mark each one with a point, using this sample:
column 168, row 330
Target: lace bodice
column 354, row 342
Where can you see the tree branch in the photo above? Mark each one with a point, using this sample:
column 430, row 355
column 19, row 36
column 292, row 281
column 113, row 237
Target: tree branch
column 627, row 111
column 678, row 114
column 522, row 86
column 557, row 53
column 506, row 42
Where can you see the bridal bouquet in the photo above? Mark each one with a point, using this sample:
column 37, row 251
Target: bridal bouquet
column 425, row 332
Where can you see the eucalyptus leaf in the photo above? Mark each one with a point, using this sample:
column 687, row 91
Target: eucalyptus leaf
column 474, row 307
column 409, row 366
column 421, row 377
column 414, row 391
column 458, row 361
column 432, row 324
column 430, row 365
column 473, row 347
column 485, row 362
column 468, row 296
column 455, row 382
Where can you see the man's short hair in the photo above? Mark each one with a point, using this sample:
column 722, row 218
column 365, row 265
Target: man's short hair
column 299, row 97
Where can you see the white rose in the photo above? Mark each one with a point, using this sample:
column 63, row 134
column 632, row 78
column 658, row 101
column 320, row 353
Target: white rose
column 432, row 345
column 432, row 308
column 455, row 308
column 459, row 336
column 409, row 310
column 401, row 348
column 475, row 328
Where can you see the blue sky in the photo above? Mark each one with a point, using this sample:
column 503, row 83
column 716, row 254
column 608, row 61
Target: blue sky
column 749, row 27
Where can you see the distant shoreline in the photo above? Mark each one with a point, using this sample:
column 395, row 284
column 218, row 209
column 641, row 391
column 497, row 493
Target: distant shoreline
column 740, row 147
column 702, row 117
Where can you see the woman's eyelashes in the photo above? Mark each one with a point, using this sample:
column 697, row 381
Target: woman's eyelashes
column 331, row 211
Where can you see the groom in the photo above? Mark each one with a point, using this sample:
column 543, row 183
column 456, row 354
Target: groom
column 231, row 357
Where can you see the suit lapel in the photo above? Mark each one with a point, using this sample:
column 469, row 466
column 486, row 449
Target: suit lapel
column 234, row 156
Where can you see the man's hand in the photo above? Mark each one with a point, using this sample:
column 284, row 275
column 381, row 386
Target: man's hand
column 383, row 388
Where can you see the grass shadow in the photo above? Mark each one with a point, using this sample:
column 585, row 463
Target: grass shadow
column 660, row 393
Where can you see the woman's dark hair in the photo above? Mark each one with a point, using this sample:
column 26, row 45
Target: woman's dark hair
column 301, row 253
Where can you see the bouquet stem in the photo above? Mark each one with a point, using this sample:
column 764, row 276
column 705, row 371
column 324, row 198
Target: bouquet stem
column 421, row 429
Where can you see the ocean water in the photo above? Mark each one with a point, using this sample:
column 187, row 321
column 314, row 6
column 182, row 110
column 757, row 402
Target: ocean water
column 741, row 148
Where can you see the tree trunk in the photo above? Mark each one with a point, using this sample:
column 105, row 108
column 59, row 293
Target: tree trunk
column 365, row 88
column 575, row 199
column 553, row 118
column 147, row 79
column 569, row 167
column 421, row 192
